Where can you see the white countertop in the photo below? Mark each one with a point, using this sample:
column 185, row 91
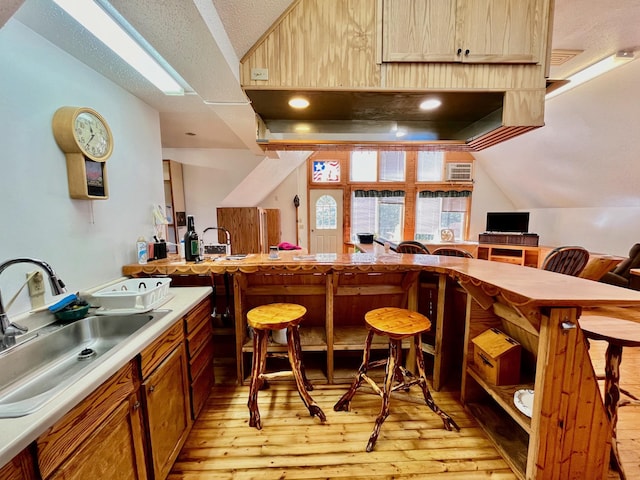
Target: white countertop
column 17, row 433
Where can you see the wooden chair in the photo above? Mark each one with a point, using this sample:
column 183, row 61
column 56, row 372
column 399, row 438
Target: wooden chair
column 567, row 260
column 263, row 319
column 452, row 252
column 617, row 333
column 397, row 324
column 411, row 246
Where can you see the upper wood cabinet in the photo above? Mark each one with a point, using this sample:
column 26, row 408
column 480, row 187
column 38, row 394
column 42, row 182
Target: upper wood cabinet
column 252, row 229
column 473, row 31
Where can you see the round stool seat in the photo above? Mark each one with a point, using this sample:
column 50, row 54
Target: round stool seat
column 624, row 333
column 275, row 316
column 396, row 323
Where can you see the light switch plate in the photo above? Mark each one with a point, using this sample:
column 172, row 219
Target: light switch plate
column 259, row 74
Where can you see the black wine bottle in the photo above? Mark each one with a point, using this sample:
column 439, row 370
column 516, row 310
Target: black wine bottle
column 191, row 244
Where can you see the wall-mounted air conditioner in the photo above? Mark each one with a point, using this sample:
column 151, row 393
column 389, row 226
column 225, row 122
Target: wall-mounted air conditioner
column 459, row 172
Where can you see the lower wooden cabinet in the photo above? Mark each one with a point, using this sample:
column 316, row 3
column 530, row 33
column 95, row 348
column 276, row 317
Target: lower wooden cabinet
column 114, row 450
column 21, row 467
column 168, row 411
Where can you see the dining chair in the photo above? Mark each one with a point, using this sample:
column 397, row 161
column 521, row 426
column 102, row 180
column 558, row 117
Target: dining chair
column 569, row 260
column 452, row 252
column 411, row 246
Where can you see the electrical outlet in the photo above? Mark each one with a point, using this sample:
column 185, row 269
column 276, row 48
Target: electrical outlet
column 36, row 289
column 259, row 74
column 36, row 284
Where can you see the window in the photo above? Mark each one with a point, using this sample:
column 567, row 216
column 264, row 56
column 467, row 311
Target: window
column 380, row 212
column 326, row 213
column 438, row 210
column 430, row 166
column 365, row 165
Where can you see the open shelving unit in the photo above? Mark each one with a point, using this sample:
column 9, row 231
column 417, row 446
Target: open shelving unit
column 516, row 254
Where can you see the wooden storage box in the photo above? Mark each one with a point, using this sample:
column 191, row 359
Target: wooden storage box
column 497, row 357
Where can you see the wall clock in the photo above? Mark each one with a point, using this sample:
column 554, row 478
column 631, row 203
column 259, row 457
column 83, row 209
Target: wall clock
column 86, row 140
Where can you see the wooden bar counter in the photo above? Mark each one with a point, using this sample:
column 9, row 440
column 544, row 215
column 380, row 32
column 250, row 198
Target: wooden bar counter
column 567, row 435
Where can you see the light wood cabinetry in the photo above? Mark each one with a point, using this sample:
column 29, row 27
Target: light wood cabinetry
column 199, row 333
column 252, row 229
column 518, row 255
column 21, row 467
column 75, row 446
column 165, row 394
column 474, row 31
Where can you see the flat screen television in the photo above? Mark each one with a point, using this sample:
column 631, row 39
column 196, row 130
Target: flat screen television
column 508, row 222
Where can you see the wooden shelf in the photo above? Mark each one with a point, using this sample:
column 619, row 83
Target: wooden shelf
column 503, row 396
column 353, row 338
column 312, row 339
column 223, row 331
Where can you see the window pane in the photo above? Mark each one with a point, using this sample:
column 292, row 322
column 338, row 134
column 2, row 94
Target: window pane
column 430, row 166
column 364, row 166
column 382, row 216
column 434, row 214
column 392, row 166
column 326, row 213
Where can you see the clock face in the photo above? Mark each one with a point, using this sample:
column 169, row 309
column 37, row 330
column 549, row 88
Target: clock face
column 92, row 135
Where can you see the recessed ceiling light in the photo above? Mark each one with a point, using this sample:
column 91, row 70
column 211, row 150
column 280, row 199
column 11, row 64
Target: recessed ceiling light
column 430, row 104
column 298, row 102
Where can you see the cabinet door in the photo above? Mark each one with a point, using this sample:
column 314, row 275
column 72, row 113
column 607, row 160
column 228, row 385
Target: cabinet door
column 114, row 450
column 21, row 467
column 166, row 394
column 503, row 31
column 419, row 31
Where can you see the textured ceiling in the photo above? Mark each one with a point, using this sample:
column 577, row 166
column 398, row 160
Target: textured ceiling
column 204, row 40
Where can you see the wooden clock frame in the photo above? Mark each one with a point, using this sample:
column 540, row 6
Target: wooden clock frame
column 86, row 173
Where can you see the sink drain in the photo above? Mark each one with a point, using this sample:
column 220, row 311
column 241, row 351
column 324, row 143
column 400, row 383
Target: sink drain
column 86, row 353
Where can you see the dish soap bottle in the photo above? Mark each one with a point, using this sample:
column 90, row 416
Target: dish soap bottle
column 141, row 249
column 191, row 243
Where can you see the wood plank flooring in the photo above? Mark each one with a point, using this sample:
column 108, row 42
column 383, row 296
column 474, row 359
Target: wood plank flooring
column 412, row 444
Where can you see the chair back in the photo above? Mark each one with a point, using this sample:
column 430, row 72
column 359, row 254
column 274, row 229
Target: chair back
column 452, row 252
column 567, row 260
column 411, row 246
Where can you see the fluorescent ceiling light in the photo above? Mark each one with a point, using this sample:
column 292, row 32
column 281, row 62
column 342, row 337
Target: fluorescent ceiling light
column 605, row 65
column 108, row 31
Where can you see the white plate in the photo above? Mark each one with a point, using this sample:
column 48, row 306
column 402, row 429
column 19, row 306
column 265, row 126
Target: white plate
column 133, row 311
column 523, row 400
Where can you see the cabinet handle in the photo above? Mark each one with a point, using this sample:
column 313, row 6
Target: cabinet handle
column 136, row 405
column 151, row 389
column 466, row 52
column 459, row 51
column 485, row 360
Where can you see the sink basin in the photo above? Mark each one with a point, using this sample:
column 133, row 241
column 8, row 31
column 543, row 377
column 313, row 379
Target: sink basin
column 57, row 356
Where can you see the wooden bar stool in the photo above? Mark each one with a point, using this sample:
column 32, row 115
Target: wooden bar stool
column 263, row 319
column 617, row 333
column 397, row 324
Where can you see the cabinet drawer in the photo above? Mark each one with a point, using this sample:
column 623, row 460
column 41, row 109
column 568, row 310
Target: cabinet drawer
column 198, row 338
column 202, row 360
column 197, row 315
column 200, row 389
column 153, row 355
column 60, row 440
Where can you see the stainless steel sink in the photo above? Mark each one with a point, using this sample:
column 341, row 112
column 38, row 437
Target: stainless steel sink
column 57, row 356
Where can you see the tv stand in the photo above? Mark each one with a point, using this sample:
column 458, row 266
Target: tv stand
column 518, row 255
column 525, row 239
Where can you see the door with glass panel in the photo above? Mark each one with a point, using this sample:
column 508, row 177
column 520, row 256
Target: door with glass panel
column 325, row 221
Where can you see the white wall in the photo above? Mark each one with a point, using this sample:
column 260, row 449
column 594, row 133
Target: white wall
column 85, row 241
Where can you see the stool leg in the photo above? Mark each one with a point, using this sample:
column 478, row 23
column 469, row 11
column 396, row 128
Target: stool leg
column 259, row 361
column 345, row 401
column 293, row 347
column 395, row 347
column 612, row 398
column 296, row 334
column 446, row 419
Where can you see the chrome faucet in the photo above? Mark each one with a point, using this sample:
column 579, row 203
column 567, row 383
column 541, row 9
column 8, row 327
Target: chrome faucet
column 226, row 232
column 10, row 329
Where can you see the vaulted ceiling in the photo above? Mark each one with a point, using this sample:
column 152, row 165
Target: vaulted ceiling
column 204, row 40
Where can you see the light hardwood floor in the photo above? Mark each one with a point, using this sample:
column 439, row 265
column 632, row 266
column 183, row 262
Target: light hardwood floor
column 412, row 445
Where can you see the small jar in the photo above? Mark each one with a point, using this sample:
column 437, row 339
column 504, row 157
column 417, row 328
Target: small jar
column 273, row 253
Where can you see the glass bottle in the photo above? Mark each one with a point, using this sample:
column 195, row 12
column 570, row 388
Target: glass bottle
column 191, row 243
